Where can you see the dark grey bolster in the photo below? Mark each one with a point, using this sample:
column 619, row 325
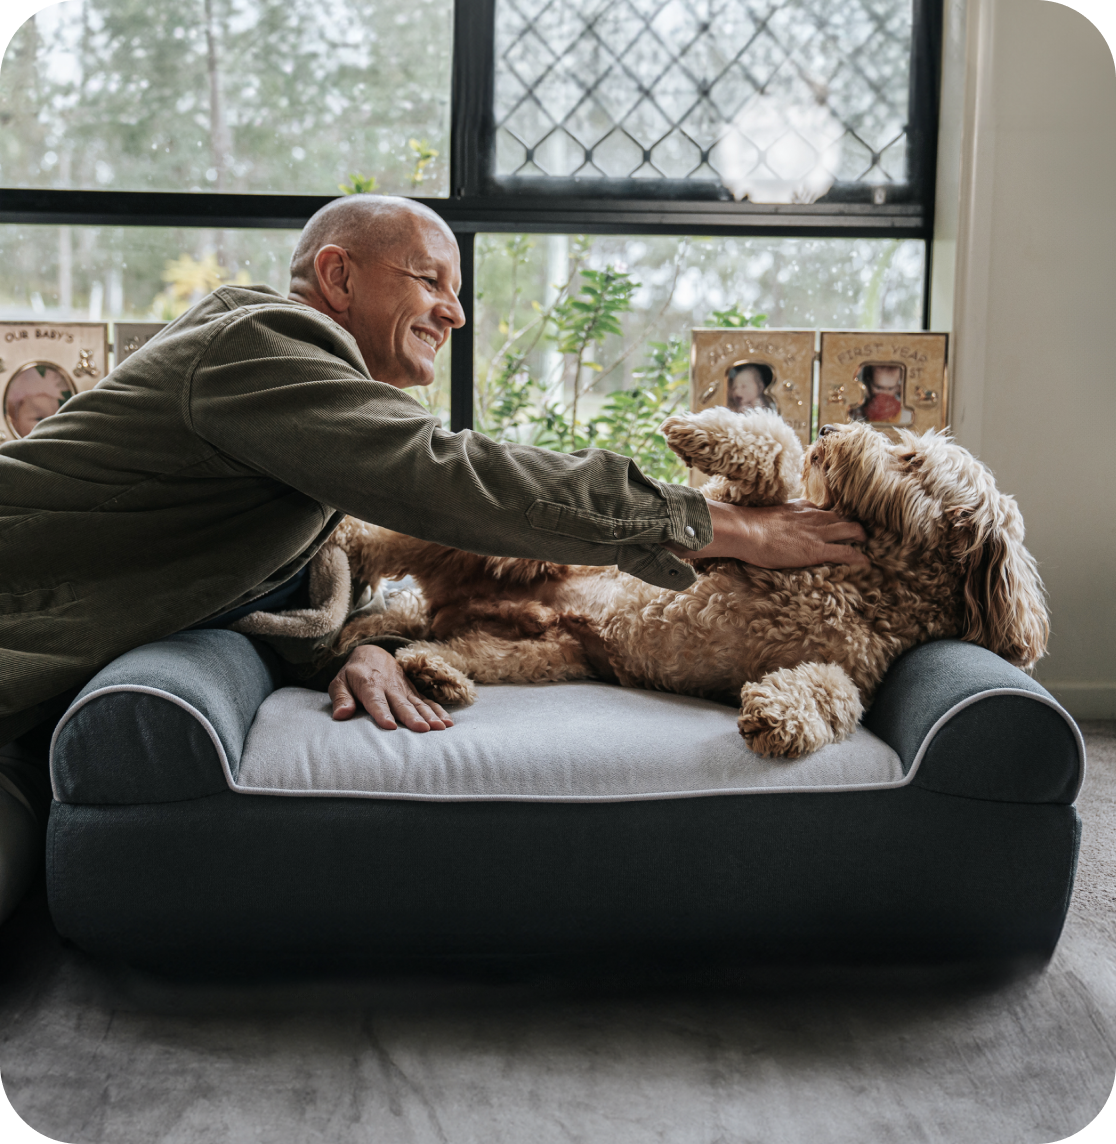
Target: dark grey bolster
column 162, row 722
column 966, row 722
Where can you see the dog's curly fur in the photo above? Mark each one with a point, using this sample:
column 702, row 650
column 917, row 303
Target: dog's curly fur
column 802, row 650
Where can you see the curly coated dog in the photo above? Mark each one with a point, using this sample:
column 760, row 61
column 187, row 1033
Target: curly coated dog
column 802, row 650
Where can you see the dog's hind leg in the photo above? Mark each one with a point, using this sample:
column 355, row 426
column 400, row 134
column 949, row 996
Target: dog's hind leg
column 552, row 658
column 753, row 458
column 796, row 710
column 376, row 553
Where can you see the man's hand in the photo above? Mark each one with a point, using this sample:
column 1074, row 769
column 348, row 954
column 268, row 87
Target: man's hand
column 373, row 680
column 797, row 534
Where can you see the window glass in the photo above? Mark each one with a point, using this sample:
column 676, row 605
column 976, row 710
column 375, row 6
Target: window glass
column 143, row 274
column 586, row 340
column 282, row 96
column 778, row 101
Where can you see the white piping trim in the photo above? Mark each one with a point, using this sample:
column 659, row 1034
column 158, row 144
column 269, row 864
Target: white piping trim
column 646, row 797
column 1048, row 701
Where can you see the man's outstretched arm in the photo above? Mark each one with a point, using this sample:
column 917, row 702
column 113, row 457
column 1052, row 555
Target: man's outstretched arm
column 284, row 391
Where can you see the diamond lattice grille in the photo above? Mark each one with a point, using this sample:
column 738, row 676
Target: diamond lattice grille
column 776, row 100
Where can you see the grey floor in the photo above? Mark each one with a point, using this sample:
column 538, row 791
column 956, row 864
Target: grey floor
column 94, row 1053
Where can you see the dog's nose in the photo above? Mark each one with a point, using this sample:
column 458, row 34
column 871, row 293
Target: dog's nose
column 826, row 429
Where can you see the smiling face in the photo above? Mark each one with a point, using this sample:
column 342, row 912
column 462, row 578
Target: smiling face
column 405, row 303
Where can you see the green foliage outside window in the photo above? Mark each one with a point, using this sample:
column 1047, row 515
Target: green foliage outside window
column 573, row 410
column 249, row 96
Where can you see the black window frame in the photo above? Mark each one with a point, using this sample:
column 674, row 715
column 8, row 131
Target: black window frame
column 478, row 203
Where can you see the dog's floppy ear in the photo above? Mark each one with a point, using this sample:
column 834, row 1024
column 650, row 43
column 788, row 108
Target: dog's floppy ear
column 1005, row 608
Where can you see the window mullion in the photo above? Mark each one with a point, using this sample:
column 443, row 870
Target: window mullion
column 471, row 138
column 461, row 343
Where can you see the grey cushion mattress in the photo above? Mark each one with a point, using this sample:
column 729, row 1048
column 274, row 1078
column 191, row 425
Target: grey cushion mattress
column 556, row 742
column 553, row 819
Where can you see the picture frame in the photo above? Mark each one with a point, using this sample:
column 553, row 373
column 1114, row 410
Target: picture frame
column 884, row 378
column 127, row 337
column 42, row 365
column 750, row 368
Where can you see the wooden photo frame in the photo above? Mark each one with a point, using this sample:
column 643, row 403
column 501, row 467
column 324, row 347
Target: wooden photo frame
column 749, row 368
column 42, row 365
column 889, row 380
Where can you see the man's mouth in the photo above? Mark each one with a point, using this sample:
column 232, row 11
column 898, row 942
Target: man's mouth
column 426, row 336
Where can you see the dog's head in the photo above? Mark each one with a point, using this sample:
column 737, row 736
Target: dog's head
column 937, row 498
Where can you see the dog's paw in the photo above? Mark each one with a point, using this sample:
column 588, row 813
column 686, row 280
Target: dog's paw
column 796, row 710
column 435, row 678
column 757, row 453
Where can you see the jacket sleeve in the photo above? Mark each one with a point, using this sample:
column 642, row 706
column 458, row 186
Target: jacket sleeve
column 284, row 391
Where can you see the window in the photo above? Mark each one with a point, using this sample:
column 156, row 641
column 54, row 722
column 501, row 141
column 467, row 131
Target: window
column 769, row 156
column 775, row 101
column 256, row 96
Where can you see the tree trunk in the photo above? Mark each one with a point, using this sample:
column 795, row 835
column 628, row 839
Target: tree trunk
column 219, row 137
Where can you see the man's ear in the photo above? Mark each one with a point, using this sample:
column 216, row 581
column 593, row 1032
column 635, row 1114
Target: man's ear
column 334, row 270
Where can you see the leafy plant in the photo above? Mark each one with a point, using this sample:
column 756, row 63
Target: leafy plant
column 514, row 401
column 580, row 321
column 188, row 280
column 424, row 156
column 631, row 418
column 734, row 318
column 359, row 184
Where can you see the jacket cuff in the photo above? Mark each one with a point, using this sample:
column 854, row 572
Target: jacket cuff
column 655, row 565
column 690, row 523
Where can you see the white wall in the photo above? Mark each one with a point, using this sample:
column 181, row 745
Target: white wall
column 1025, row 276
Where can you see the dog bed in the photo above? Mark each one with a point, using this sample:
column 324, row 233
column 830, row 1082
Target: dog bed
column 206, row 816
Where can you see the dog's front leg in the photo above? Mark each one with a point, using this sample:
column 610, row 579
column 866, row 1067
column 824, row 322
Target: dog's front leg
column 796, row 710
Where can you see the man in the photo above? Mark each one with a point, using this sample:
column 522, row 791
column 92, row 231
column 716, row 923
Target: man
column 203, row 474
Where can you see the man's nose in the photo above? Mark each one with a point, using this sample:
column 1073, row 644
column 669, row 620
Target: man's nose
column 451, row 311
column 825, row 430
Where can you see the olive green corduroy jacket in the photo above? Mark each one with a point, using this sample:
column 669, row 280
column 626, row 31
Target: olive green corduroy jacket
column 214, row 462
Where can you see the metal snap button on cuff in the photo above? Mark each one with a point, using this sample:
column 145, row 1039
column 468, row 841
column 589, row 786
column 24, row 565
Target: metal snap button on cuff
column 689, row 530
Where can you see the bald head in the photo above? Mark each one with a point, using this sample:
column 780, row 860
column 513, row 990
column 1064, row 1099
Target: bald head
column 387, row 270
column 367, row 226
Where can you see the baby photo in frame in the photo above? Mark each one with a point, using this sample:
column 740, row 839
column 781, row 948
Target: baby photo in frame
column 746, row 369
column 42, row 365
column 888, row 380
